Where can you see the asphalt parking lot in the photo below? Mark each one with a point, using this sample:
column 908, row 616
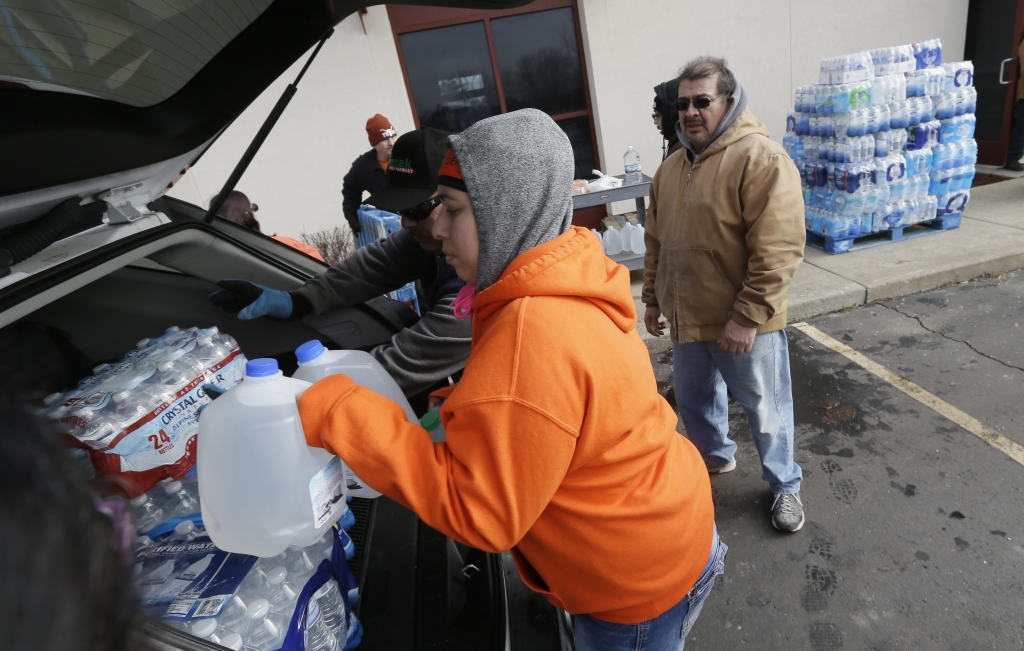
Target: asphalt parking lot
column 914, row 524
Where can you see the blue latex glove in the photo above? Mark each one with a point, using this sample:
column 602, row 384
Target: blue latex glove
column 272, row 302
column 257, row 300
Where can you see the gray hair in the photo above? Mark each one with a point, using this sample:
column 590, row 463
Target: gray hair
column 703, row 67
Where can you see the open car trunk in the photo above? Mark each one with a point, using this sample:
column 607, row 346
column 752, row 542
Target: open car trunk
column 420, row 589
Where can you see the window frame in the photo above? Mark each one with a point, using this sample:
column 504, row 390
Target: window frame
column 409, row 18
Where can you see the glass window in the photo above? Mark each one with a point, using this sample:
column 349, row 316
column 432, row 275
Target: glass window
column 450, row 72
column 578, row 130
column 539, row 62
column 119, row 50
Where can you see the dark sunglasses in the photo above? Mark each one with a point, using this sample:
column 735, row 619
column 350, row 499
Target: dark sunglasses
column 422, row 211
column 683, row 103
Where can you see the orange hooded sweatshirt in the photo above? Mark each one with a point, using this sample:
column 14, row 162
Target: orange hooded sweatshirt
column 558, row 443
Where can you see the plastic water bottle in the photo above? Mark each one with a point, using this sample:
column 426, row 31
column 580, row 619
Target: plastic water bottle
column 182, row 501
column 316, row 363
column 300, row 565
column 184, row 532
column 266, row 629
column 146, row 514
column 612, row 242
column 208, row 352
column 234, row 615
column 317, row 636
column 431, row 422
column 631, row 161
column 262, row 487
column 282, row 595
column 638, row 244
column 333, row 608
column 206, row 629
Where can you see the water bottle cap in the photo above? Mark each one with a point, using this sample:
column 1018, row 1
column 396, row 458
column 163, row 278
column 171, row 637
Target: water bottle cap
column 142, row 343
column 431, row 421
column 99, row 367
column 172, row 487
column 50, row 399
column 271, row 628
column 204, row 340
column 121, row 396
column 258, row 609
column 276, row 575
column 309, row 351
column 263, row 367
column 165, row 366
column 143, row 541
column 232, row 641
column 184, row 528
column 204, row 627
column 139, row 501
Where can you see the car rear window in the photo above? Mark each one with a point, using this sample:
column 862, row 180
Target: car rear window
column 138, row 52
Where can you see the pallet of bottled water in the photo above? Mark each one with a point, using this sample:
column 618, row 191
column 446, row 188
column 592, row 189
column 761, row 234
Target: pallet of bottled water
column 884, row 141
column 374, row 225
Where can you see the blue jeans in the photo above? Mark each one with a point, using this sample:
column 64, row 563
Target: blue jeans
column 666, row 632
column 759, row 380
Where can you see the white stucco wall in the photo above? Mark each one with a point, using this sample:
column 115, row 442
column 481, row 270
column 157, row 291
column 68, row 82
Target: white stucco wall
column 773, row 46
column 296, row 176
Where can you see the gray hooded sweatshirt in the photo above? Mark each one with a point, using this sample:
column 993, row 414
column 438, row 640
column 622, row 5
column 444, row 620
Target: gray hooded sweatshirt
column 739, row 102
column 518, row 169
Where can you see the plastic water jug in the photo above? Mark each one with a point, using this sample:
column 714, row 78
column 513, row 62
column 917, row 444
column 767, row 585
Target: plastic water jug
column 261, row 487
column 316, row 363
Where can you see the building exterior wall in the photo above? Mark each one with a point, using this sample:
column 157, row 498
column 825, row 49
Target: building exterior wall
column 296, row 176
column 773, row 46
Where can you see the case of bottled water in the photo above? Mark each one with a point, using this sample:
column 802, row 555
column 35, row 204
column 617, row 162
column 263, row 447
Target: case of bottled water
column 239, row 601
column 138, row 417
column 884, row 140
column 376, row 224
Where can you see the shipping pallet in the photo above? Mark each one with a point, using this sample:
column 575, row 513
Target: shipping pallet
column 845, row 245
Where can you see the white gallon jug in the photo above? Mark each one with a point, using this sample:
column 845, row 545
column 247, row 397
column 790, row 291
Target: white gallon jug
column 316, row 363
column 261, row 487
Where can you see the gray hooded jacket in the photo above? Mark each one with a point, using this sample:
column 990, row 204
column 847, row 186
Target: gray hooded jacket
column 739, row 102
column 518, row 169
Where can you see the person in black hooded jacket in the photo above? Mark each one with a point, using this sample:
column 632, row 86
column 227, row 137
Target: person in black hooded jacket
column 666, row 116
column 369, row 171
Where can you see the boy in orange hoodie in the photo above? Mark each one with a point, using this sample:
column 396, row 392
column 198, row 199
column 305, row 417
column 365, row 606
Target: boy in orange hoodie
column 559, row 446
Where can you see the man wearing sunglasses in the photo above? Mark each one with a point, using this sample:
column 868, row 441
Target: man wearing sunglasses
column 435, row 347
column 725, row 232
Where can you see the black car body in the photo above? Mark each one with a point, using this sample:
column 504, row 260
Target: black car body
column 68, row 130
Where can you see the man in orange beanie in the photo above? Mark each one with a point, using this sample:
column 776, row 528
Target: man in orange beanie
column 369, row 171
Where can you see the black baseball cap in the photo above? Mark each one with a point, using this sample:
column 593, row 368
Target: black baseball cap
column 412, row 174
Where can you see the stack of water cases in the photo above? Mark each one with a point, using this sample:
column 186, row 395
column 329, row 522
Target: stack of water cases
column 234, row 600
column 376, row 225
column 885, row 140
column 137, row 418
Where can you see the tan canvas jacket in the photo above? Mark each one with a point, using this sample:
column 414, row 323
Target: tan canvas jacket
column 724, row 235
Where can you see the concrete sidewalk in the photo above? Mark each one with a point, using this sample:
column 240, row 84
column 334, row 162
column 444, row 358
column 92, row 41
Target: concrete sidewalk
column 990, row 240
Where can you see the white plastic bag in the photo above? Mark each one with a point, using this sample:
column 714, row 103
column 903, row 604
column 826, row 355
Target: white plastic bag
column 603, row 182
